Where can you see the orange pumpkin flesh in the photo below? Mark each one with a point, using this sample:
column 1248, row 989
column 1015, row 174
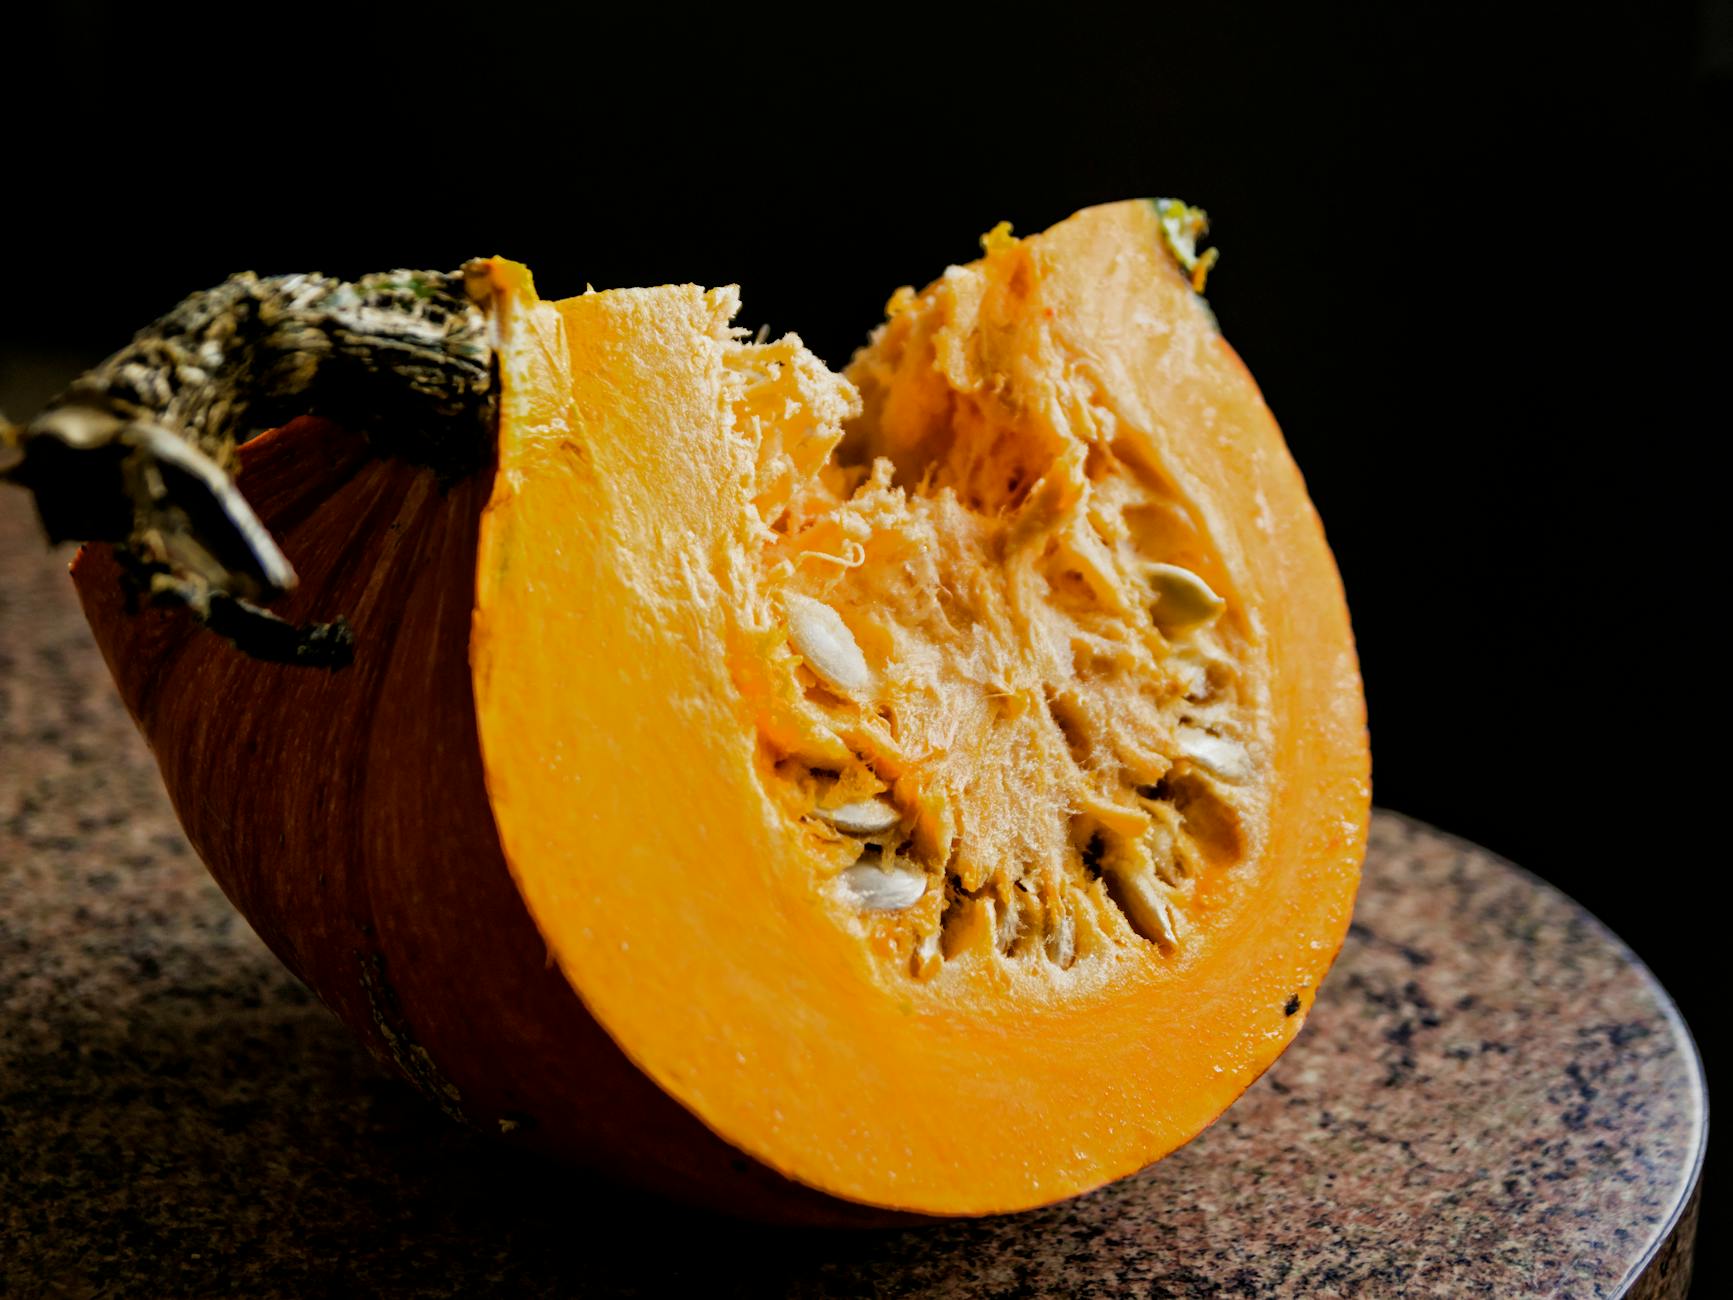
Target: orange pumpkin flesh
column 1110, row 940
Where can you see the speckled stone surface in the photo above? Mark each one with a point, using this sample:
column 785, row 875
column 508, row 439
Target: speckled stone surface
column 1491, row 1097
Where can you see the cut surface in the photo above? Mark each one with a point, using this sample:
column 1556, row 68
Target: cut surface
column 948, row 782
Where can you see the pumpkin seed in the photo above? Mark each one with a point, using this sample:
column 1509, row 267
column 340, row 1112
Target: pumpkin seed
column 862, row 816
column 1215, row 754
column 1007, row 921
column 1062, row 942
column 1202, row 677
column 927, row 955
column 875, row 887
column 1147, row 908
column 1192, row 675
column 823, row 640
column 1182, row 599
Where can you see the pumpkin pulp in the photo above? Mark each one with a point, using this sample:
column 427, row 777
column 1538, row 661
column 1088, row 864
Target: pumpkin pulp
column 949, row 781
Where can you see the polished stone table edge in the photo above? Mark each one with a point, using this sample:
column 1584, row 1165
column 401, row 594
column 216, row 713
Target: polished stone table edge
column 1678, row 1237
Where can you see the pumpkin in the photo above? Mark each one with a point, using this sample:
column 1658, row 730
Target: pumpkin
column 937, row 788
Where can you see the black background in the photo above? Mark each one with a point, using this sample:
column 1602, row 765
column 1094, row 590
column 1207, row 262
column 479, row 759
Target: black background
column 1470, row 254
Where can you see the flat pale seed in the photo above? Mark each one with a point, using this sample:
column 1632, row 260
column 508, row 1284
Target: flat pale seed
column 926, row 957
column 1219, row 757
column 1164, row 854
column 1182, row 599
column 861, row 816
column 822, row 639
column 1062, row 942
column 1147, row 908
column 1006, row 923
column 875, row 888
column 1192, row 675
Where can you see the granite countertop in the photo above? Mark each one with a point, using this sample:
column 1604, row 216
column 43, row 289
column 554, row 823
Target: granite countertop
column 1491, row 1098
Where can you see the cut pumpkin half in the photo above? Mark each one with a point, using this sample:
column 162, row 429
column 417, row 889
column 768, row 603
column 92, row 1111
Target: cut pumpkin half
column 947, row 781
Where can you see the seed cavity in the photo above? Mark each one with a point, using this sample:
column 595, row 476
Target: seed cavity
column 1182, row 599
column 823, row 640
column 874, row 886
column 1216, row 755
column 1064, row 755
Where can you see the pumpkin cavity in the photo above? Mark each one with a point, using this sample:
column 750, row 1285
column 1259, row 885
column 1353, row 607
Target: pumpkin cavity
column 1003, row 681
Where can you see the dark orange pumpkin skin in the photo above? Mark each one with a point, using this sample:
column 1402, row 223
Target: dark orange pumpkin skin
column 345, row 816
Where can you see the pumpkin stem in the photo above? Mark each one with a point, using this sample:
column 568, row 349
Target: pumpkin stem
column 138, row 451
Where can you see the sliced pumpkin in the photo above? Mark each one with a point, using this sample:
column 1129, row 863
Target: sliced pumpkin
column 944, row 783
column 947, row 781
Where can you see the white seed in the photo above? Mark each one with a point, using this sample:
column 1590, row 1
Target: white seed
column 926, row 956
column 1148, row 910
column 1192, row 675
column 1202, row 677
column 1182, row 599
column 1163, row 849
column 1218, row 756
column 1007, row 921
column 877, row 888
column 1062, row 942
column 822, row 639
column 862, row 816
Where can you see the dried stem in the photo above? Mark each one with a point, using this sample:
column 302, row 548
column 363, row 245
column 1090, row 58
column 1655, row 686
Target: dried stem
column 139, row 451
